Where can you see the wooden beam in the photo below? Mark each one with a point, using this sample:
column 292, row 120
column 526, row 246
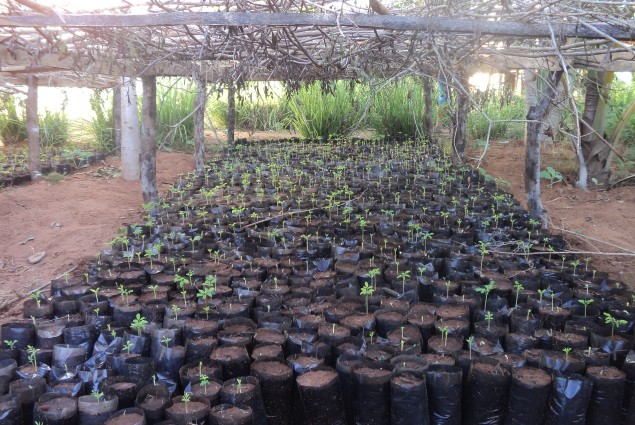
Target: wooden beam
column 130, row 135
column 149, row 140
column 199, row 122
column 33, row 129
column 388, row 22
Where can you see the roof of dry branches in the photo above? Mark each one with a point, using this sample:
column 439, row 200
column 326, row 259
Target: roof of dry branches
column 268, row 47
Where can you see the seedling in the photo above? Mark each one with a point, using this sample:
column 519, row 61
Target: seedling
column 483, row 251
column 470, row 341
column 37, row 297
column 541, row 293
column 139, row 323
column 166, row 340
column 566, row 350
column 127, row 346
column 486, row 290
column 518, row 287
column 154, row 288
column 239, row 385
column 204, row 382
column 489, row 316
column 175, row 309
column 585, row 303
column 575, row 265
column 447, row 289
column 371, row 334
column 444, row 335
column 96, row 292
column 32, row 355
column 553, row 297
column 610, row 320
column 367, row 291
column 186, row 399
column 373, row 273
column 10, row 343
column 98, row 395
column 404, row 276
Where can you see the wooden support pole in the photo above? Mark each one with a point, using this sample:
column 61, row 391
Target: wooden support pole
column 33, row 129
column 231, row 112
column 427, row 99
column 149, row 140
column 130, row 135
column 459, row 130
column 199, row 121
column 535, row 130
column 116, row 118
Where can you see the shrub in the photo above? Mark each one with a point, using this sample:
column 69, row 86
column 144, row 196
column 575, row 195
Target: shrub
column 399, row 109
column 12, row 126
column 54, row 129
column 322, row 112
column 102, row 127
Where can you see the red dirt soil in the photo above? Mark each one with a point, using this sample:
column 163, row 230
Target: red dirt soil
column 70, row 221
column 73, row 219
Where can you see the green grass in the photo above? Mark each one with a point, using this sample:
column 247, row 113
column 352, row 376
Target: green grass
column 622, row 94
column 101, row 127
column 259, row 115
column 323, row 114
column 12, row 125
column 498, row 111
column 175, row 120
column 54, row 129
column 399, row 109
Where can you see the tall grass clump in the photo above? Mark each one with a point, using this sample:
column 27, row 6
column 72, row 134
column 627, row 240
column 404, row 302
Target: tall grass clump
column 54, row 129
column 12, row 125
column 399, row 109
column 102, row 126
column 498, row 109
column 175, row 118
column 259, row 115
column 320, row 114
column 621, row 96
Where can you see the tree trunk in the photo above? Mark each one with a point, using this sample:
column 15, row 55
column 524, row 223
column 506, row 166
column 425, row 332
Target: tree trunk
column 427, row 99
column 459, row 130
column 596, row 152
column 530, row 80
column 116, row 117
column 130, row 135
column 555, row 114
column 149, row 140
column 199, row 121
column 231, row 113
column 535, row 130
column 33, row 129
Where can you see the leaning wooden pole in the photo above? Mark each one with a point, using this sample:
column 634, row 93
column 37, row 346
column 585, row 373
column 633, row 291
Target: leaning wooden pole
column 149, row 140
column 535, row 128
column 116, row 118
column 199, row 121
column 33, row 128
column 231, row 112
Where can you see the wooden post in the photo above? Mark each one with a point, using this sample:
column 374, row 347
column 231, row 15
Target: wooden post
column 427, row 99
column 116, row 118
column 459, row 132
column 199, row 121
column 149, row 140
column 130, row 135
column 535, row 129
column 33, row 129
column 231, row 112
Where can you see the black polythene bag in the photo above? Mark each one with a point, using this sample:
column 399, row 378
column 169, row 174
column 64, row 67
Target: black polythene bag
column 444, row 385
column 628, row 408
column 488, row 390
column 528, row 396
column 409, row 399
column 321, row 397
column 569, row 400
column 607, row 396
column 372, row 388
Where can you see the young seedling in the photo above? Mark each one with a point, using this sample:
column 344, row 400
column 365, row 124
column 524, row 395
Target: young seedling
column 139, row 323
column 96, row 292
column 489, row 316
column 482, row 249
column 575, row 265
column 37, row 297
column 98, row 395
column 447, row 289
column 175, row 309
column 373, row 273
column 470, row 341
column 366, row 291
column 166, row 341
column 405, row 275
column 371, row 334
column 610, row 320
column 541, row 292
column 154, row 289
column 239, row 385
column 486, row 290
column 585, row 303
column 518, row 287
column 127, row 347
column 32, row 355
column 444, row 335
column 204, row 382
column 10, row 343
column 553, row 297
column 186, row 400
column 566, row 350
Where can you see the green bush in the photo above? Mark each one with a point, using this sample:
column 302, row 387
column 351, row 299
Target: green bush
column 499, row 110
column 102, row 127
column 399, row 109
column 622, row 95
column 54, row 129
column 175, row 118
column 320, row 114
column 12, row 126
